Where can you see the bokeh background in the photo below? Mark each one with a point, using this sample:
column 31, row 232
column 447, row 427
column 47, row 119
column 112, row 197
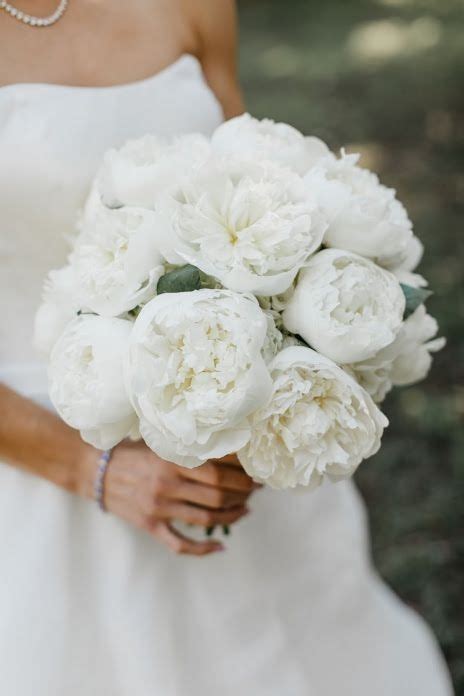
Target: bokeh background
column 386, row 78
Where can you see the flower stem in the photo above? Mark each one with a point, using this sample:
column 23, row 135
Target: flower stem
column 225, row 530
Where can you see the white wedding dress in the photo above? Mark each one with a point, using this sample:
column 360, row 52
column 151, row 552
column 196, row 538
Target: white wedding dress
column 90, row 606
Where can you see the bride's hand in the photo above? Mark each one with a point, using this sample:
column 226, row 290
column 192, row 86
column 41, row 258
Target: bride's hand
column 151, row 493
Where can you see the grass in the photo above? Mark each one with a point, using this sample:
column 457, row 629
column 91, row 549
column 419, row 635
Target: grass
column 385, row 77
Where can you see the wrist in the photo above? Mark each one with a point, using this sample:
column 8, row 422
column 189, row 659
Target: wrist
column 85, row 470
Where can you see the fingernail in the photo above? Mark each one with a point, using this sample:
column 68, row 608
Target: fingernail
column 219, row 548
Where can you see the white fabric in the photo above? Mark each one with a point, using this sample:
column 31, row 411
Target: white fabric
column 88, row 605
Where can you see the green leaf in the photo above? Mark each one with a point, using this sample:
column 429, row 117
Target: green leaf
column 414, row 298
column 135, row 312
column 183, row 279
column 209, row 282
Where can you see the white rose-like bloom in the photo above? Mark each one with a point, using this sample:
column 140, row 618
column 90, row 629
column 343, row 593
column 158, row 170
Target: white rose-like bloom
column 345, row 306
column 86, row 382
column 275, row 305
column 405, row 361
column 364, row 216
column 414, row 280
column 116, row 259
column 264, row 139
column 274, row 338
column 137, row 173
column 410, row 258
column 404, row 266
column 279, row 302
column 318, row 423
column 250, row 225
column 195, row 373
column 59, row 306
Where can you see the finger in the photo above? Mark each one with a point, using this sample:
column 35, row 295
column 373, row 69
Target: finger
column 203, row 517
column 233, row 460
column 208, row 496
column 180, row 544
column 221, row 476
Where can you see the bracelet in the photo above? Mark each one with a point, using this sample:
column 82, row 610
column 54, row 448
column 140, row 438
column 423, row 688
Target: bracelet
column 99, row 483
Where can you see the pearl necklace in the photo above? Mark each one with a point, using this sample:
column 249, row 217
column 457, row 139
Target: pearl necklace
column 30, row 19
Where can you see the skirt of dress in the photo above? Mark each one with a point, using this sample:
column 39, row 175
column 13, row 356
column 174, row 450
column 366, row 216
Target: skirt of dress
column 90, row 606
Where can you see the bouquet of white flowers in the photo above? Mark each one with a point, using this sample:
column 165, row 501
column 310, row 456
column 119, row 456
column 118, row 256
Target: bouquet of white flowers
column 251, row 293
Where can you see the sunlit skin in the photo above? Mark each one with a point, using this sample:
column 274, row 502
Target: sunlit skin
column 98, row 43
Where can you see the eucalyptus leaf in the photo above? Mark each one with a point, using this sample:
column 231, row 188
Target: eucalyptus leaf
column 414, row 298
column 209, row 282
column 183, row 279
column 135, row 311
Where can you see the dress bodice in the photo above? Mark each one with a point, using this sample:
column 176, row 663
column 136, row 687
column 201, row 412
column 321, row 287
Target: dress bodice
column 52, row 138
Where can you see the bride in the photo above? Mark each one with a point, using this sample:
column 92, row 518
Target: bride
column 94, row 604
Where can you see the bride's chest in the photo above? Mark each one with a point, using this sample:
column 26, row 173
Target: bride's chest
column 52, row 138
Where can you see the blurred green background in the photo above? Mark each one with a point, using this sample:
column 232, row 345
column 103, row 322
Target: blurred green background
column 386, row 78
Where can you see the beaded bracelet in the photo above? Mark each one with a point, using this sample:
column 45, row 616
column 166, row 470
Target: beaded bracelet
column 99, row 483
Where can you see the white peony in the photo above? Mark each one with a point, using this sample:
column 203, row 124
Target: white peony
column 405, row 361
column 318, row 423
column 404, row 266
column 274, row 337
column 345, row 306
column 195, row 373
column 414, row 280
column 277, row 303
column 59, row 306
column 251, row 225
column 364, row 216
column 86, row 382
column 249, row 137
column 410, row 258
column 116, row 259
column 280, row 302
column 137, row 173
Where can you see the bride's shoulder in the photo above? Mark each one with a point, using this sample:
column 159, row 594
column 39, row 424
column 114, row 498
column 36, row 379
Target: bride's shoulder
column 214, row 26
column 214, row 21
column 212, row 10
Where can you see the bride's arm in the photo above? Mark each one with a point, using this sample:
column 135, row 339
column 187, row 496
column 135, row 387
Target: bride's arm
column 141, row 488
column 215, row 25
column 37, row 441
